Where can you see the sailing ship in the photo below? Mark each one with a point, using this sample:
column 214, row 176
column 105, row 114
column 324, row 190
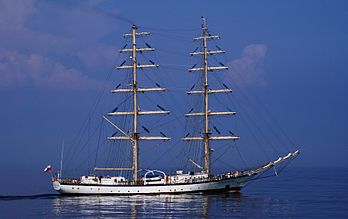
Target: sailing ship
column 157, row 181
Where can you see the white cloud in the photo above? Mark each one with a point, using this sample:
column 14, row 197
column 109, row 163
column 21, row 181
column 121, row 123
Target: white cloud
column 38, row 40
column 248, row 69
column 18, row 69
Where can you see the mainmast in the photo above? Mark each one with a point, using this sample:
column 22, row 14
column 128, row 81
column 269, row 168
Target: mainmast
column 134, row 137
column 206, row 134
column 206, row 100
column 135, row 107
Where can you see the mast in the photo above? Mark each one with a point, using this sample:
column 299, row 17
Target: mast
column 135, row 107
column 206, row 100
column 134, row 137
column 206, row 135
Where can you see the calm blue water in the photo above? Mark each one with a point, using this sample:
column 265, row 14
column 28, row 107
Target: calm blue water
column 296, row 193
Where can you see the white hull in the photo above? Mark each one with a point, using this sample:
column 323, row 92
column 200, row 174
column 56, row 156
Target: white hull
column 224, row 183
column 232, row 184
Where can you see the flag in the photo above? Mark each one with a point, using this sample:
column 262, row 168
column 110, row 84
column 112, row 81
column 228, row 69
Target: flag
column 48, row 168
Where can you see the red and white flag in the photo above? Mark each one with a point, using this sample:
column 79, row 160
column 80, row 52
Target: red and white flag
column 48, row 168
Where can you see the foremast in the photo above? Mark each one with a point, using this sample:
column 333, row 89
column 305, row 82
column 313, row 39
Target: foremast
column 134, row 137
column 206, row 134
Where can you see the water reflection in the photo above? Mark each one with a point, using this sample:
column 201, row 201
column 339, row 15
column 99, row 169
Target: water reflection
column 173, row 206
column 255, row 205
column 156, row 206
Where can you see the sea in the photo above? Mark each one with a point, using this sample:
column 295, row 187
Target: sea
column 294, row 193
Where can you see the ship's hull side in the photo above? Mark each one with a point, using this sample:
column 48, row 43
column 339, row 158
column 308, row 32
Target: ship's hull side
column 203, row 187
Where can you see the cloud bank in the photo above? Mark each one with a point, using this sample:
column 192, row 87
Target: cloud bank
column 39, row 40
column 248, row 70
column 39, row 71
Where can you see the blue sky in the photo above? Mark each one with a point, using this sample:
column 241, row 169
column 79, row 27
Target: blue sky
column 55, row 57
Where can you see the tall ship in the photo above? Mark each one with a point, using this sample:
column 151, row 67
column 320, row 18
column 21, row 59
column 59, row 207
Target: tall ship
column 156, row 181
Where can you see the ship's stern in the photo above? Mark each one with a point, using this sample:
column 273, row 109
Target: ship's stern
column 56, row 184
